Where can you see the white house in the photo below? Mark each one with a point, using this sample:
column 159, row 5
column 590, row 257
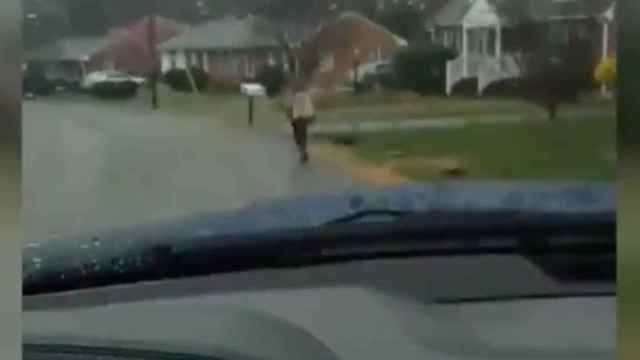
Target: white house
column 480, row 30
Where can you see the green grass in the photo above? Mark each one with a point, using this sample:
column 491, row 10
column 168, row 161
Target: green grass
column 399, row 106
column 232, row 108
column 565, row 149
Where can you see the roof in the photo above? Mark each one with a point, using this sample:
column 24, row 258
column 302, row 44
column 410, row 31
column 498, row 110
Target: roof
column 453, row 13
column 544, row 10
column 70, row 48
column 226, row 33
column 352, row 15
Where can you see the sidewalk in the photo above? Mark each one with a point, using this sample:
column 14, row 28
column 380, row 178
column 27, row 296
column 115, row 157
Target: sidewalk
column 433, row 123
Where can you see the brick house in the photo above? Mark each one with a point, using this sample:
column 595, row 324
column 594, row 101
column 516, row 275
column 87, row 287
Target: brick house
column 229, row 50
column 329, row 56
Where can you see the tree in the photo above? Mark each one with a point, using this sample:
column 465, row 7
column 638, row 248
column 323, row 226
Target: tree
column 404, row 20
column 43, row 22
column 422, row 68
column 551, row 75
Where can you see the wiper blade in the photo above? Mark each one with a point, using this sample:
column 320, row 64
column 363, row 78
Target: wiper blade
column 415, row 234
column 373, row 213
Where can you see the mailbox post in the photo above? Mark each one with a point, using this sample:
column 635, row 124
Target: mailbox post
column 252, row 90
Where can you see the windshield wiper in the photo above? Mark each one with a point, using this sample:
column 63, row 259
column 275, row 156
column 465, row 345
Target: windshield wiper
column 411, row 234
column 369, row 214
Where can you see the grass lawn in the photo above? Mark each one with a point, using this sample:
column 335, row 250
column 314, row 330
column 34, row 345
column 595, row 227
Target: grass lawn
column 232, row 108
column 400, row 106
column 565, row 149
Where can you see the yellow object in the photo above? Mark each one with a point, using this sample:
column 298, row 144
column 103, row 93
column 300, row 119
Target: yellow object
column 606, row 72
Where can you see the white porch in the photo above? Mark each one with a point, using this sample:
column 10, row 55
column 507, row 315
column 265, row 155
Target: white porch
column 480, row 43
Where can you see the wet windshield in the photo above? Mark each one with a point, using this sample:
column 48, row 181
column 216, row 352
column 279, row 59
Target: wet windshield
column 344, row 96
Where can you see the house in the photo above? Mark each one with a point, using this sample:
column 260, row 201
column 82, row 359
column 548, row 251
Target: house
column 128, row 46
column 66, row 60
column 229, row 50
column 125, row 48
column 482, row 31
column 329, row 56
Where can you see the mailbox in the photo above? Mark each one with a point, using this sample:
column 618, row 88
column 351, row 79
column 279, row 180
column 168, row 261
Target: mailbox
column 253, row 90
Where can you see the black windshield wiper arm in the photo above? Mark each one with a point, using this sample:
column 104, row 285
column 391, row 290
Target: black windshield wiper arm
column 416, row 234
column 372, row 213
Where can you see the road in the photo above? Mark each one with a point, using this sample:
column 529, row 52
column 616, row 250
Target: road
column 92, row 165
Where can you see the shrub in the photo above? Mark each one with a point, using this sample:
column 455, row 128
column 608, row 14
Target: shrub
column 272, row 77
column 178, row 79
column 422, row 68
column 37, row 84
column 606, row 72
column 115, row 90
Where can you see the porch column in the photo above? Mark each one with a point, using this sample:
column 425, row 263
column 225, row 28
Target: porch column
column 465, row 51
column 205, row 60
column 605, row 39
column 498, row 41
column 605, row 51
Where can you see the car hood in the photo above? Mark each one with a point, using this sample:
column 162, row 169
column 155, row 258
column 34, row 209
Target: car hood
column 314, row 210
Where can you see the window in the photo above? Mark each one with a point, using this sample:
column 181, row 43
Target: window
column 327, row 62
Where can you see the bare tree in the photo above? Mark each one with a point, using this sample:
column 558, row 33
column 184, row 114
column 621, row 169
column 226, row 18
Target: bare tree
column 549, row 76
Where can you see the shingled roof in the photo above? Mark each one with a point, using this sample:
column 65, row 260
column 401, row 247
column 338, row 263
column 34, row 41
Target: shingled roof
column 453, row 13
column 227, row 33
column 70, row 48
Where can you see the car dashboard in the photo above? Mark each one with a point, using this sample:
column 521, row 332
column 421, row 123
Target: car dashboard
column 458, row 307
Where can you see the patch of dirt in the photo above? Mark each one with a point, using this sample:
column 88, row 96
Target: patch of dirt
column 389, row 173
column 443, row 166
column 344, row 158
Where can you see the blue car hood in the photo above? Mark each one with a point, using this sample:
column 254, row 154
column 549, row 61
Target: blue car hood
column 314, row 210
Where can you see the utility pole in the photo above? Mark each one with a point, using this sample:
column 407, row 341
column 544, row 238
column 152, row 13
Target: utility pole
column 151, row 34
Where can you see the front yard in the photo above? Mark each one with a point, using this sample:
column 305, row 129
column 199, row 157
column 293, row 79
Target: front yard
column 581, row 144
column 391, row 106
column 570, row 148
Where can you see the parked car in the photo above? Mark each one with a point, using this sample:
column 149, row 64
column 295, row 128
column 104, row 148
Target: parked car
column 34, row 83
column 112, row 83
column 376, row 74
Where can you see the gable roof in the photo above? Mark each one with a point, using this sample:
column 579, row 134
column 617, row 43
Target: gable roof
column 454, row 12
column 544, row 10
column 69, row 48
column 227, row 33
column 451, row 14
column 352, row 15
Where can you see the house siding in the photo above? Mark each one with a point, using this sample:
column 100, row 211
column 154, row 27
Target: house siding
column 334, row 45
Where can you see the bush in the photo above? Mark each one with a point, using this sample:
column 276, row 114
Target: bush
column 606, row 72
column 37, row 84
column 178, row 79
column 422, row 68
column 115, row 90
column 272, row 77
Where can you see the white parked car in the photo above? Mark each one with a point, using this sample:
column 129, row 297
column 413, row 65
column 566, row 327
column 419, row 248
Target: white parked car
column 111, row 83
column 109, row 76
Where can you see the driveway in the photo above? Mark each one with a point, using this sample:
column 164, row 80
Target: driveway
column 91, row 165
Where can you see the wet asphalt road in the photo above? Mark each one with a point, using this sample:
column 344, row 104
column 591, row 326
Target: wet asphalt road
column 92, row 165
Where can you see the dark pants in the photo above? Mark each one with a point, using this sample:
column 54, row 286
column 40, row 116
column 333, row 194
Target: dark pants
column 300, row 127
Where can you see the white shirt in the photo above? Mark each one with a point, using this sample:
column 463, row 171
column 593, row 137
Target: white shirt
column 302, row 105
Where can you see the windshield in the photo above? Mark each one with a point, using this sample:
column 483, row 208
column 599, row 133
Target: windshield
column 473, row 142
column 251, row 117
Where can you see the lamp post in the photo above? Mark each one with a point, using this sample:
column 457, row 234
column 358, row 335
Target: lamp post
column 151, row 38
